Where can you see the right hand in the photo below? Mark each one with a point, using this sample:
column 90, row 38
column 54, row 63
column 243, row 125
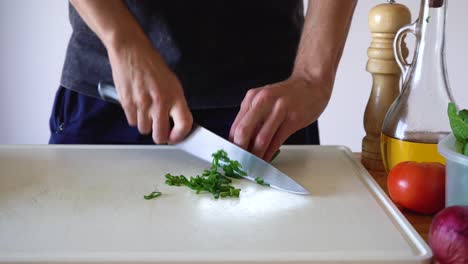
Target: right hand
column 149, row 91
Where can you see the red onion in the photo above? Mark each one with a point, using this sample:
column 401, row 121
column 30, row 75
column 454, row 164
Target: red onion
column 448, row 235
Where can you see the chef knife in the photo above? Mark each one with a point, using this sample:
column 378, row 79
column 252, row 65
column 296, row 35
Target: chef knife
column 201, row 143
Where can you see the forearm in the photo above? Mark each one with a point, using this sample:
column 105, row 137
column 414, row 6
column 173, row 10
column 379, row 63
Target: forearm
column 149, row 92
column 323, row 38
column 110, row 20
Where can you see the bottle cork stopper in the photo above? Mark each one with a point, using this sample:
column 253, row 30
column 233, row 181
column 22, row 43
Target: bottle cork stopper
column 436, row 3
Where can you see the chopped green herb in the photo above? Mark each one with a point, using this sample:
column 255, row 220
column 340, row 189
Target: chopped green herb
column 427, row 19
column 152, row 195
column 261, row 181
column 212, row 181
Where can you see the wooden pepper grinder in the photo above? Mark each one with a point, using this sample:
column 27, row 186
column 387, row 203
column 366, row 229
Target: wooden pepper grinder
column 384, row 22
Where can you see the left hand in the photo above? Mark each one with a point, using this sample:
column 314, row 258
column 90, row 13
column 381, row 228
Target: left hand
column 270, row 114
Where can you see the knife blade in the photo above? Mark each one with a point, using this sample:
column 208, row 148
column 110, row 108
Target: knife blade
column 201, row 143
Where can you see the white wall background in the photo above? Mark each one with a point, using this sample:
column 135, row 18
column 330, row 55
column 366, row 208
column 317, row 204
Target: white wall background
column 34, row 35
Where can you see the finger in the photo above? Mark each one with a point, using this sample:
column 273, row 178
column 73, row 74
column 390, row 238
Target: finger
column 183, row 122
column 143, row 103
column 130, row 114
column 144, row 120
column 129, row 107
column 284, row 131
column 160, row 125
column 267, row 131
column 234, row 125
column 245, row 106
column 246, row 127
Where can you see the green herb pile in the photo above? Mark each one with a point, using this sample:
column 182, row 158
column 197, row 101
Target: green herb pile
column 459, row 124
column 211, row 180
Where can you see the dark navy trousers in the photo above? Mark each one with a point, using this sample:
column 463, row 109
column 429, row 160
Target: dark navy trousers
column 79, row 119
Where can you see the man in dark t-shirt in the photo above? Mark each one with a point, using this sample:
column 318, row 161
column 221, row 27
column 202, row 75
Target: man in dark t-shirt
column 254, row 71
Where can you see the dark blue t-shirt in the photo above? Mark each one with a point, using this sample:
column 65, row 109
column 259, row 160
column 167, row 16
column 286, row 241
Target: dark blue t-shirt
column 218, row 49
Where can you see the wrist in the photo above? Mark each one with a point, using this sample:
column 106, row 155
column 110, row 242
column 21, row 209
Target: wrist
column 122, row 38
column 318, row 80
column 318, row 71
column 315, row 78
column 136, row 45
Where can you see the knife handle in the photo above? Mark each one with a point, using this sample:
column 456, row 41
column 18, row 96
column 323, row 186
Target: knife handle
column 108, row 93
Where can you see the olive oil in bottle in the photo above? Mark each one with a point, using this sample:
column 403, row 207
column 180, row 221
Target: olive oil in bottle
column 395, row 150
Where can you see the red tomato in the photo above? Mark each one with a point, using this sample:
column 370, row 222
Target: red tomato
column 418, row 186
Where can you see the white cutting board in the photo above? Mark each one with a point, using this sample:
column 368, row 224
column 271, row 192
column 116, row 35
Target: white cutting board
column 85, row 204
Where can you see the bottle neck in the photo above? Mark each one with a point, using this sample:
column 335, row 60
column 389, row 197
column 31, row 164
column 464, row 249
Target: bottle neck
column 432, row 32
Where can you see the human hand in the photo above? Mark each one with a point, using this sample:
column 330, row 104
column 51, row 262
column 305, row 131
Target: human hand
column 270, row 114
column 149, row 91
